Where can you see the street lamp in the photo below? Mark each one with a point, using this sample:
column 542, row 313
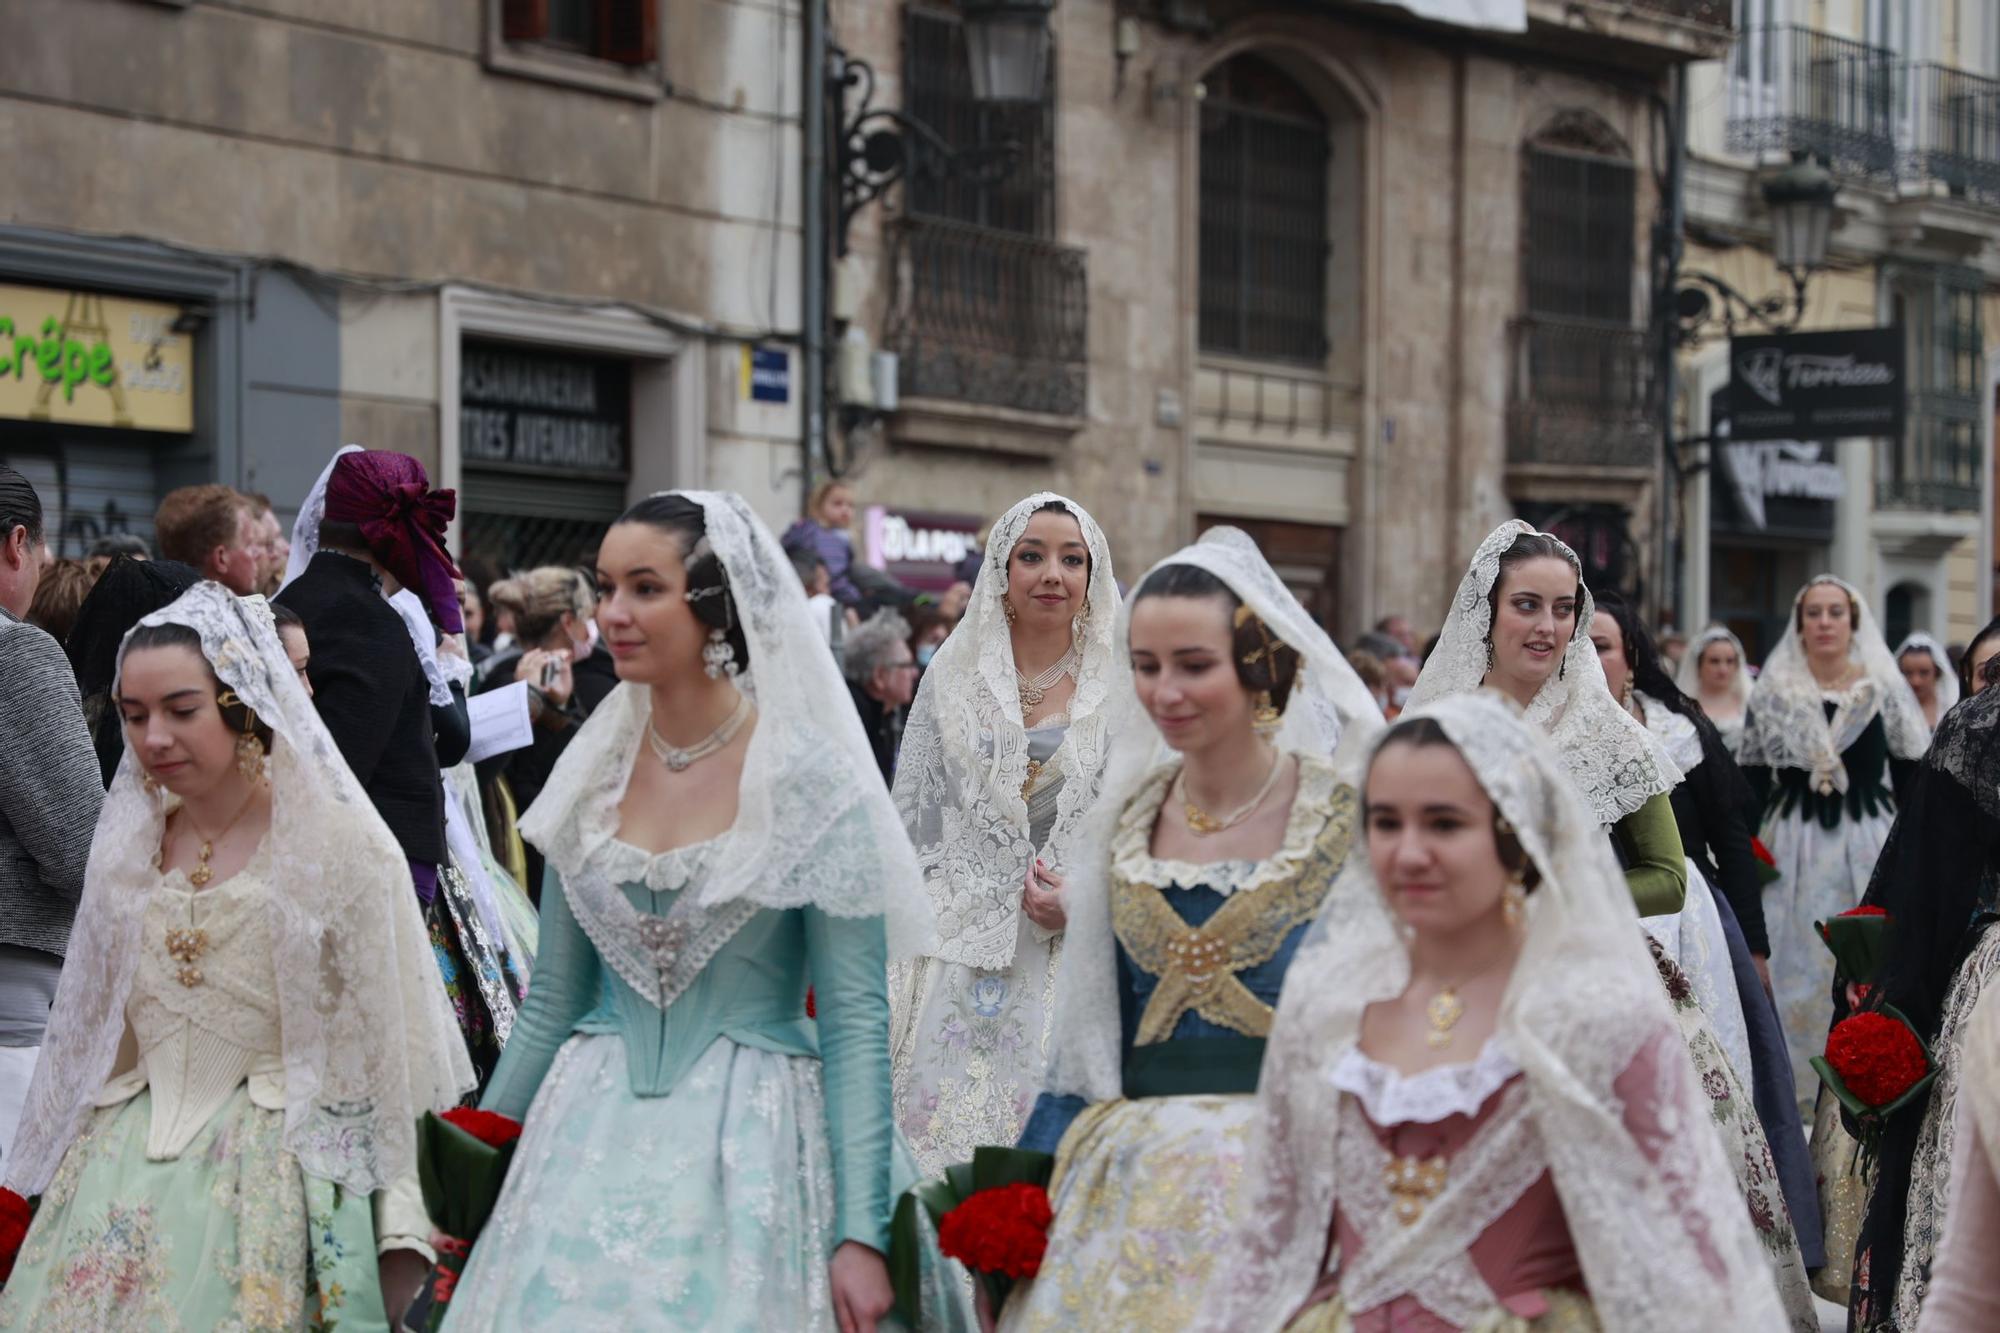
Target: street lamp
column 1800, row 199
column 1007, row 42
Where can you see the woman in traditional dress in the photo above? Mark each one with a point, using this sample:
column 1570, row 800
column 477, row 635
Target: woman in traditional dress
column 1965, row 1282
column 1972, row 675
column 1714, row 810
column 1520, row 623
column 698, row 1151
column 483, row 951
column 1937, row 879
column 1832, row 716
column 1476, row 1111
column 248, row 1023
column 1002, row 760
column 1928, row 669
column 1715, row 673
column 1199, row 878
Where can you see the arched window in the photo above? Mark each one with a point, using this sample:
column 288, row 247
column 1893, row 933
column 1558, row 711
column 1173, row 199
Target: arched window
column 1265, row 149
column 1906, row 608
column 1581, row 242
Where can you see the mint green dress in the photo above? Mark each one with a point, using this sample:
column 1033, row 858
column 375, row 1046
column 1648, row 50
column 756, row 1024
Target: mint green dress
column 693, row 1167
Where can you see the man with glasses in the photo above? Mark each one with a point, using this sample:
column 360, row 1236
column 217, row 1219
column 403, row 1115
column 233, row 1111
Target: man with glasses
column 882, row 676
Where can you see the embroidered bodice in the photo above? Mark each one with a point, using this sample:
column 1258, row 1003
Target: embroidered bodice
column 1202, row 949
column 1443, row 1174
column 736, row 972
column 204, row 1005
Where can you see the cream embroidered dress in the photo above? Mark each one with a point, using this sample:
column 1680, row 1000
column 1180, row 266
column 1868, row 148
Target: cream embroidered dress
column 222, row 1125
column 982, row 797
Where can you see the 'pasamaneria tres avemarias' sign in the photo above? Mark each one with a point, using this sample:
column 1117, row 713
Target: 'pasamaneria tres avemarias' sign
column 1816, row 386
column 86, row 359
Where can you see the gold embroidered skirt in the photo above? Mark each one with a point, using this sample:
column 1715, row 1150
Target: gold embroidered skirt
column 1143, row 1194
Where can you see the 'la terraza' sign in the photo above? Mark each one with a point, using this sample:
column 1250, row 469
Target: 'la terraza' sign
column 549, row 412
column 1816, row 386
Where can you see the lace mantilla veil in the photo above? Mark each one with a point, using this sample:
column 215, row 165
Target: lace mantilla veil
column 1330, row 714
column 1788, row 726
column 369, row 1041
column 1660, row 1229
column 814, row 827
column 1688, row 676
column 1612, row 758
column 965, row 752
column 1947, row 681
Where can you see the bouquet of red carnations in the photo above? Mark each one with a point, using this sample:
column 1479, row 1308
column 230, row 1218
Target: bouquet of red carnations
column 992, row 1214
column 462, row 1160
column 1858, row 939
column 1875, row 1064
column 15, row 1214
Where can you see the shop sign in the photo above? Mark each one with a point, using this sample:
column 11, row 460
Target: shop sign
column 543, row 411
column 1782, row 488
column 85, row 359
column 1817, row 386
column 919, row 548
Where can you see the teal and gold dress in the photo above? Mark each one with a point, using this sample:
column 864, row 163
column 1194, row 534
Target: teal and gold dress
column 691, row 1165
column 1144, row 1187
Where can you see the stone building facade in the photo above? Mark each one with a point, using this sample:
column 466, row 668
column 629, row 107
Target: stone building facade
column 528, row 244
column 1902, row 101
column 1362, row 283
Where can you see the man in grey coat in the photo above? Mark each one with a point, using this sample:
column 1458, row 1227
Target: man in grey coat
column 49, row 795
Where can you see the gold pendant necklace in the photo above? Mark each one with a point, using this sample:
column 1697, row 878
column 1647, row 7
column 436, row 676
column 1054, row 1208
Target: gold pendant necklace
column 1033, row 691
column 1444, row 1010
column 186, row 946
column 1202, row 824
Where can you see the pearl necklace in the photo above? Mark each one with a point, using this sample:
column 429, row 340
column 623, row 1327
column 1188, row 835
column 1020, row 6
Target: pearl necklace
column 676, row 758
column 1032, row 691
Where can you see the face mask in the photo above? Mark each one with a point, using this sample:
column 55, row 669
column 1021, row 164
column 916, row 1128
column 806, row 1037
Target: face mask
column 1400, row 695
column 925, row 654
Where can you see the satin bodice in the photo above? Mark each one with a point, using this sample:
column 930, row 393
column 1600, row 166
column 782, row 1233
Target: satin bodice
column 751, row 991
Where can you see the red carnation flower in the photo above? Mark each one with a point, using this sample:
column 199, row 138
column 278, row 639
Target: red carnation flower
column 1878, row 1058
column 1763, row 853
column 15, row 1214
column 1865, row 909
column 1003, row 1230
column 489, row 1127
column 812, row 1010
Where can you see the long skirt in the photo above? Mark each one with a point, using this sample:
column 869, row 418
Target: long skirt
column 1144, row 1194
column 228, row 1235
column 1693, row 937
column 711, row 1207
column 1822, row 872
column 968, row 1047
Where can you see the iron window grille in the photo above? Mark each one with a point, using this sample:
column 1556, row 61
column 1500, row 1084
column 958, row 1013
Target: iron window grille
column 937, row 92
column 1936, row 463
column 624, row 32
column 1265, row 154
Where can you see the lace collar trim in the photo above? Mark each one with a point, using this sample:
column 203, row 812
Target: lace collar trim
column 1677, row 734
column 1393, row 1098
column 1132, row 860
column 661, row 872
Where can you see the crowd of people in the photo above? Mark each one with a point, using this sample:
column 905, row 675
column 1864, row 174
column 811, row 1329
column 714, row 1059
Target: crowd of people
column 1471, row 984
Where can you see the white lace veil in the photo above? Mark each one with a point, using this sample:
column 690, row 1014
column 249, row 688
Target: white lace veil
column 1688, row 676
column 814, row 826
column 441, row 671
column 1947, row 682
column 1613, row 760
column 369, row 1042
column 965, row 751
column 1788, row 726
column 1330, row 714
column 1660, row 1229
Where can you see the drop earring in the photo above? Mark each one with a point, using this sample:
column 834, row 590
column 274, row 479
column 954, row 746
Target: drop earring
column 150, row 784
column 1514, row 902
column 1265, row 718
column 1489, row 654
column 1008, row 607
column 718, row 656
column 250, row 756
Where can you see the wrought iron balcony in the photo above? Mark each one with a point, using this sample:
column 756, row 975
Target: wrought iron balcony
column 1935, row 466
column 1715, row 13
column 1955, row 130
column 1581, row 394
column 988, row 316
column 1796, row 89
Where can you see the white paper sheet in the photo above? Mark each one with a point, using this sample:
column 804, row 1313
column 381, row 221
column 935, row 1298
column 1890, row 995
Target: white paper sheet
column 500, row 722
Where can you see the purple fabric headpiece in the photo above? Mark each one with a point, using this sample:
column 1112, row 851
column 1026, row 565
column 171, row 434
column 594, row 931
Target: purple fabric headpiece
column 388, row 496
